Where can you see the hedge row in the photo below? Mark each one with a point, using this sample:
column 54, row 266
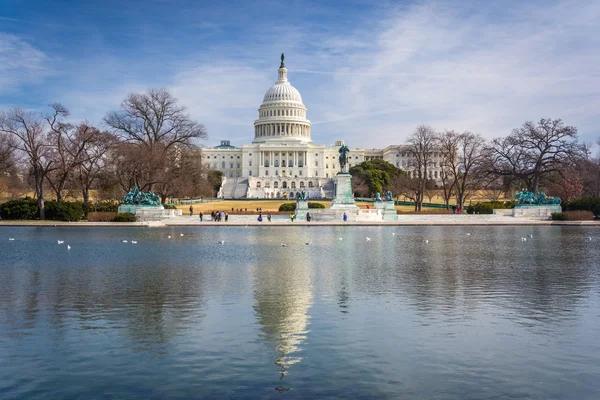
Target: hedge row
column 573, row 216
column 27, row 209
column 292, row 206
column 489, row 206
column 586, row 203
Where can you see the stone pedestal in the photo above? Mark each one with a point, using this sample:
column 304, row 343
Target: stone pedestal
column 388, row 210
column 342, row 193
column 541, row 211
column 149, row 213
column 301, row 209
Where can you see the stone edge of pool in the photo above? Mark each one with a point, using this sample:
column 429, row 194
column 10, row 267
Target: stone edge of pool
column 407, row 222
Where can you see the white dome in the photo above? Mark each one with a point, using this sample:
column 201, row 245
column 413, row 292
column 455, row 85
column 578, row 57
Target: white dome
column 282, row 115
column 282, row 91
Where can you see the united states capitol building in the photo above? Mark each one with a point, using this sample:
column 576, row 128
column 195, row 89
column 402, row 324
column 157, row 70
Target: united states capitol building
column 283, row 159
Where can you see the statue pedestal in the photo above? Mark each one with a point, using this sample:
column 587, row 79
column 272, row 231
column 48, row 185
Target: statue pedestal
column 342, row 193
column 536, row 211
column 148, row 213
column 301, row 209
column 388, row 210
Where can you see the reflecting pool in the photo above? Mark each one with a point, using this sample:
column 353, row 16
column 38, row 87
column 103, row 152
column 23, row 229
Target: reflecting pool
column 414, row 312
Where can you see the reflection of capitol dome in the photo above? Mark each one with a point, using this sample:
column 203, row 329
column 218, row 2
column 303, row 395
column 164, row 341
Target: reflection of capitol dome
column 282, row 114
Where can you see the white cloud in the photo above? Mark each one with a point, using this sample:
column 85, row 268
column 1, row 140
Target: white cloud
column 20, row 63
column 433, row 64
column 482, row 69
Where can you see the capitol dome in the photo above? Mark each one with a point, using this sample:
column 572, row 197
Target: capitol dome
column 282, row 115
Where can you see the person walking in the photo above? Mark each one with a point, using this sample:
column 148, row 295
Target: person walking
column 200, row 215
column 226, row 217
column 259, row 219
column 191, row 210
column 269, row 217
column 307, row 217
column 345, row 217
column 292, row 217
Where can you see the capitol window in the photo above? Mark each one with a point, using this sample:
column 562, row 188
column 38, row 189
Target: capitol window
column 284, row 185
column 310, row 184
column 267, row 173
column 223, row 164
column 276, row 185
column 231, row 165
column 301, row 184
column 300, row 172
column 293, row 185
column 250, row 163
column 316, row 163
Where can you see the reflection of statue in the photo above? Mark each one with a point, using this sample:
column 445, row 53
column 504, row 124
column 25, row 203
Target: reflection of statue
column 388, row 196
column 537, row 198
column 137, row 197
column 302, row 195
column 378, row 196
column 344, row 150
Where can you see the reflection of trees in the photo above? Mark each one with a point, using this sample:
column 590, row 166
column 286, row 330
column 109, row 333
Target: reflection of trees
column 283, row 297
column 540, row 280
column 150, row 303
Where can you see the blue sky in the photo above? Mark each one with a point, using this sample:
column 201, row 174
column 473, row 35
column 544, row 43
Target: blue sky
column 369, row 72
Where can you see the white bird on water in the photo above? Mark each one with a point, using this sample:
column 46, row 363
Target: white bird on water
column 393, row 233
column 283, row 245
column 368, row 239
column 468, row 233
column 60, row 241
column 11, row 239
column 124, row 241
column 68, row 247
column 181, row 234
column 221, row 242
column 340, row 239
column 523, row 239
column 169, row 236
column 426, row 241
column 590, row 238
column 134, row 242
column 531, row 236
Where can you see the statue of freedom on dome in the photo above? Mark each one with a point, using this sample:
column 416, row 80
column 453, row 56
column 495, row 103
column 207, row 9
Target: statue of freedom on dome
column 344, row 150
column 282, row 64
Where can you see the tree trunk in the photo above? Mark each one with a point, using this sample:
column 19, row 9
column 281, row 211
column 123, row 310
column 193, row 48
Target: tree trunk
column 85, row 194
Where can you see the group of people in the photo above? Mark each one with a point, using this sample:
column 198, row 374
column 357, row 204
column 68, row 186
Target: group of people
column 456, row 209
column 260, row 216
column 219, row 216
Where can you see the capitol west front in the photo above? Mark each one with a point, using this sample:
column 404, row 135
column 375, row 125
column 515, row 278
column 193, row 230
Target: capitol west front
column 283, row 159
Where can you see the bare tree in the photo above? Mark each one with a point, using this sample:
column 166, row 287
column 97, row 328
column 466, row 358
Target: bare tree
column 69, row 144
column 448, row 185
column 94, row 159
column 31, row 139
column 154, row 119
column 153, row 127
column 534, row 152
column 7, row 159
column 568, row 185
column 421, row 146
column 462, row 154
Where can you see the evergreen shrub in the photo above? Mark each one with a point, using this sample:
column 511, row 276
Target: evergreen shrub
column 19, row 209
column 124, row 217
column 315, row 205
column 64, row 210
